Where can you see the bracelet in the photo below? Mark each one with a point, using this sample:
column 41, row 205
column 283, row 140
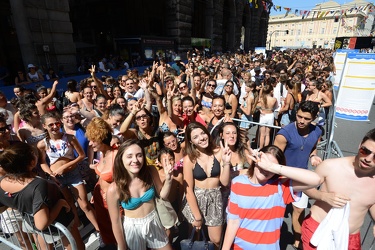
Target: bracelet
column 225, row 164
column 281, row 166
column 311, row 156
column 198, row 220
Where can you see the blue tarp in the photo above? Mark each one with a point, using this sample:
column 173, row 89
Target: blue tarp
column 8, row 90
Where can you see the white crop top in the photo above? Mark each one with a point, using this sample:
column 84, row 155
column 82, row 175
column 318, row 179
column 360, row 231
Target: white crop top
column 59, row 148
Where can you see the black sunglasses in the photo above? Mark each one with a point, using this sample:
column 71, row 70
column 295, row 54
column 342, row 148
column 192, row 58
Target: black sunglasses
column 138, row 118
column 366, row 152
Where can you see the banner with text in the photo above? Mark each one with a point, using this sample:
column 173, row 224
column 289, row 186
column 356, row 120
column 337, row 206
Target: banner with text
column 357, row 87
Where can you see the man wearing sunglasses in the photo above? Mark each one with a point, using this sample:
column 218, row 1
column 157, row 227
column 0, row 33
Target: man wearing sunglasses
column 347, row 181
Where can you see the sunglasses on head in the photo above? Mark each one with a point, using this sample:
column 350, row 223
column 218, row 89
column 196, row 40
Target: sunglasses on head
column 366, row 152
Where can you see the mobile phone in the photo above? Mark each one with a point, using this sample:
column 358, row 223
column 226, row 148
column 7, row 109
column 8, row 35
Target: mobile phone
column 95, row 161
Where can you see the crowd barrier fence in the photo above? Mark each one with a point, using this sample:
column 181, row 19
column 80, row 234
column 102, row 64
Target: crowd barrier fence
column 17, row 234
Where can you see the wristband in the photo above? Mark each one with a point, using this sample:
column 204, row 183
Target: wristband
column 311, row 156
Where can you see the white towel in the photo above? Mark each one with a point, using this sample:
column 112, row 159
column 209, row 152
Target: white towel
column 333, row 232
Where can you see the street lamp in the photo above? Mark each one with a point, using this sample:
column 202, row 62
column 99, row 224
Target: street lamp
column 286, row 32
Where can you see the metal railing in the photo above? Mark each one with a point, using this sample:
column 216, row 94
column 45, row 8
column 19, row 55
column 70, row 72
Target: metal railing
column 17, row 233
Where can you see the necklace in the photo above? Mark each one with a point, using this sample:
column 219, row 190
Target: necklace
column 303, row 139
column 104, row 161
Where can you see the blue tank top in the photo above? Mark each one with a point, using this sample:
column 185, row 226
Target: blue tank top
column 298, row 148
column 134, row 203
column 81, row 138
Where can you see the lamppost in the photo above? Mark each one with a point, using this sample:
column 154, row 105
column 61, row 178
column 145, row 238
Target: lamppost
column 269, row 45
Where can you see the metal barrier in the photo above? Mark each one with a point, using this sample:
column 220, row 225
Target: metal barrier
column 326, row 146
column 255, row 142
column 17, row 234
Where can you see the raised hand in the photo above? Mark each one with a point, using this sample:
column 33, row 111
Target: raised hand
column 92, row 70
column 171, row 92
column 262, row 160
column 141, row 103
column 155, row 65
column 143, row 84
column 168, row 169
column 136, row 107
column 226, row 153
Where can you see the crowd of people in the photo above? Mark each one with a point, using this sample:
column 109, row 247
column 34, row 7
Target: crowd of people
column 179, row 133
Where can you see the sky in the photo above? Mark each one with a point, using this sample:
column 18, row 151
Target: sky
column 301, row 4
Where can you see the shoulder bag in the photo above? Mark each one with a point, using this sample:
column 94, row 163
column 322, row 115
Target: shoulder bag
column 190, row 244
column 166, row 212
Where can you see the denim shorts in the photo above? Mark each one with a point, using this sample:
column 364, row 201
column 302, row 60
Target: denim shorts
column 72, row 178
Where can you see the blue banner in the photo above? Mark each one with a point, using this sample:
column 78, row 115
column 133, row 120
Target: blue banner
column 61, row 87
column 367, row 56
column 348, row 51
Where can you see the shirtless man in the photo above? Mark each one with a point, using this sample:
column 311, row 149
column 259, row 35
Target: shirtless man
column 344, row 179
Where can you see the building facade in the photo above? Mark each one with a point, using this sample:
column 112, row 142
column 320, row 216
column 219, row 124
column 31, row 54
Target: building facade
column 57, row 33
column 320, row 26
